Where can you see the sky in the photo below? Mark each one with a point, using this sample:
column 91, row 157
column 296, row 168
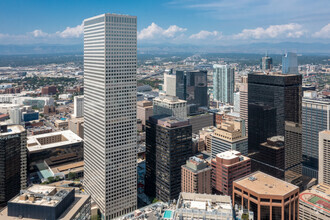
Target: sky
column 195, row 22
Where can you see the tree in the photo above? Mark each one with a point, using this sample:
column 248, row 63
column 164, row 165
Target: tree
column 72, row 176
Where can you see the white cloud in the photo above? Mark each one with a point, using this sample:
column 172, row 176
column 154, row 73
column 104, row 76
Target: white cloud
column 206, row 34
column 39, row 33
column 72, row 32
column 153, row 31
column 324, row 32
column 291, row 30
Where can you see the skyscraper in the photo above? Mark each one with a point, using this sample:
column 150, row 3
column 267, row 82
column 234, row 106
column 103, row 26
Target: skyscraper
column 315, row 118
column 243, row 101
column 110, row 113
column 272, row 99
column 78, row 106
column 168, row 146
column 170, row 105
column 13, row 161
column 187, row 85
column 223, row 83
column 290, row 63
column 324, row 157
column 266, row 63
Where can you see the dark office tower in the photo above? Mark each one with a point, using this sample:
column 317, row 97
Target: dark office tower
column 315, row 118
column 173, row 147
column 13, row 168
column 266, row 63
column 192, row 87
column 280, row 92
column 293, row 148
column 150, row 179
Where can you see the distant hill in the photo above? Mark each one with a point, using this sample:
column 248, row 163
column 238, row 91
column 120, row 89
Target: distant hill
column 260, row 48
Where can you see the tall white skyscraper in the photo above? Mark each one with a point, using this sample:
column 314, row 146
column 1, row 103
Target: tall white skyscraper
column 110, row 172
column 223, row 83
column 78, row 106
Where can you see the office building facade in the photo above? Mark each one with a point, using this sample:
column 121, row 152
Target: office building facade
column 13, row 161
column 223, row 83
column 315, row 118
column 266, row 196
column 243, row 101
column 266, row 63
column 168, row 146
column 196, row 176
column 78, row 106
column 272, row 99
column 229, row 136
column 227, row 167
column 324, row 157
column 170, row 105
column 110, row 42
column 290, row 63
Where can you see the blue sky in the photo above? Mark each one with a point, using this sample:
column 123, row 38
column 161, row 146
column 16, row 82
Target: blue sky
column 218, row 22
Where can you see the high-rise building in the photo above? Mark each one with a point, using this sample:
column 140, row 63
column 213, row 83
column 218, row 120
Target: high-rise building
column 272, row 99
column 110, row 113
column 266, row 196
column 243, row 101
column 192, row 87
column 270, row 157
column 168, row 146
column 170, row 83
column 290, row 63
column 315, row 118
column 237, row 102
column 324, row 157
column 78, row 106
column 144, row 111
column 196, row 176
column 187, row 85
column 266, row 63
column 293, row 148
column 13, row 161
column 76, row 125
column 227, row 167
column 16, row 115
column 223, row 83
column 170, row 105
column 230, row 135
column 314, row 203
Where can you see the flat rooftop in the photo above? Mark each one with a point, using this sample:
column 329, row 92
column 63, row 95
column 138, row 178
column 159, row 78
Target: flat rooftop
column 231, row 154
column 12, row 129
column 196, row 205
column 318, row 197
column 42, row 195
column 70, row 212
column 264, row 184
column 66, row 137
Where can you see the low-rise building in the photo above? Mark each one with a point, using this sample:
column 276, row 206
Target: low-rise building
column 196, row 176
column 48, row 202
column 314, row 203
column 227, row 167
column 266, row 196
column 203, row 206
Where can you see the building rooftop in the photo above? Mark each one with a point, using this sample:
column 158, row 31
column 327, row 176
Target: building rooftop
column 41, row 195
column 49, row 196
column 194, row 205
column 231, row 154
column 264, row 184
column 12, row 129
column 66, row 137
column 318, row 197
column 169, row 99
